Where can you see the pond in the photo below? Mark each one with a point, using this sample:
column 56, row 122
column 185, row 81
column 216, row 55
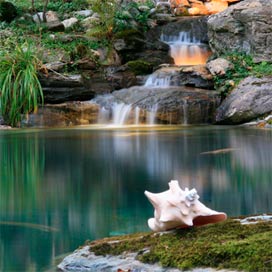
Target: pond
column 60, row 187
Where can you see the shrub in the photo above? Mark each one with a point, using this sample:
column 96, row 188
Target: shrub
column 20, row 89
column 8, row 11
column 106, row 10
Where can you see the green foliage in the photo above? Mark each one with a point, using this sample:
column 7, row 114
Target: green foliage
column 140, row 67
column 106, row 9
column 8, row 11
column 262, row 69
column 115, row 18
column 243, row 66
column 67, row 6
column 20, row 89
column 140, row 16
column 224, row 245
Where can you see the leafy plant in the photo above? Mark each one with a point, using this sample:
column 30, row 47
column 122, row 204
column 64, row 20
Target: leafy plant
column 243, row 66
column 106, row 9
column 20, row 89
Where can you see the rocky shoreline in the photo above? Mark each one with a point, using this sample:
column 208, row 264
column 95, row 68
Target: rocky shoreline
column 227, row 246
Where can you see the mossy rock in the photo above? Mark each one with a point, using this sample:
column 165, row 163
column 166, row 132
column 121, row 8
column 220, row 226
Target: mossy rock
column 228, row 245
column 140, row 67
column 8, row 12
column 127, row 34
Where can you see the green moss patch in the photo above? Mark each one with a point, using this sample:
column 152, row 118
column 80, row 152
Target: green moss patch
column 140, row 67
column 224, row 245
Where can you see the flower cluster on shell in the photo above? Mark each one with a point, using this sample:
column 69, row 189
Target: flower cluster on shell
column 177, row 208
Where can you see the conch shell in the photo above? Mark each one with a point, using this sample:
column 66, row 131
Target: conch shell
column 177, row 208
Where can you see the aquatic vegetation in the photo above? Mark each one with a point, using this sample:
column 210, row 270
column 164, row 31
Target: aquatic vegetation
column 223, row 245
column 21, row 91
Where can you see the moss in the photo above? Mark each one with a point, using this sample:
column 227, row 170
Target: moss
column 127, row 34
column 140, row 67
column 224, row 245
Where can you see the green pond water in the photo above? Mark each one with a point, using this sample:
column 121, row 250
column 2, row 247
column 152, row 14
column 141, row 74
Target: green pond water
column 59, row 188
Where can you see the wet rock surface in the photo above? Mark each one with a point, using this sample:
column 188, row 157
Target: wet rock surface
column 63, row 115
column 172, row 105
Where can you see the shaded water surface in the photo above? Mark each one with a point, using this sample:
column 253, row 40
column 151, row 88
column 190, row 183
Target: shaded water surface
column 59, row 188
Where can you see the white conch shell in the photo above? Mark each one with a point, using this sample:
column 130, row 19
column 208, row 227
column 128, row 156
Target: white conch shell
column 177, row 208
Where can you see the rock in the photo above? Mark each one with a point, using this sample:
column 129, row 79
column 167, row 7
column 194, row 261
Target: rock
column 196, row 76
column 109, row 56
column 216, row 6
column 191, row 76
column 219, row 66
column 50, row 17
column 55, row 26
column 251, row 99
column 244, row 27
column 5, row 127
column 84, row 13
column 85, row 63
column 186, row 24
column 174, row 105
column 62, row 115
column 58, row 88
column 143, row 8
column 101, row 255
column 82, row 259
column 70, row 22
column 89, row 22
column 108, row 80
column 56, row 66
column 121, row 79
column 133, row 45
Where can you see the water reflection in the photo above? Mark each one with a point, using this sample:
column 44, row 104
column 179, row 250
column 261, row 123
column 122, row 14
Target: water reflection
column 59, row 188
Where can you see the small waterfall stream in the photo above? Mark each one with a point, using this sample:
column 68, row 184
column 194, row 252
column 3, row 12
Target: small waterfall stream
column 185, row 49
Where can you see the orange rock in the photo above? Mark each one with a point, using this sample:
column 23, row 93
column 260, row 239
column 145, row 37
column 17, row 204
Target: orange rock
column 216, row 6
column 202, row 10
column 177, row 3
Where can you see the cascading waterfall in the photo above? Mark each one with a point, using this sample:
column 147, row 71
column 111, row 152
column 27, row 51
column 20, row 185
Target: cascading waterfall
column 185, row 49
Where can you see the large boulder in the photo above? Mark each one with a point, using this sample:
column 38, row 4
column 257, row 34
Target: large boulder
column 59, row 88
column 244, row 27
column 251, row 99
column 171, row 105
column 63, row 115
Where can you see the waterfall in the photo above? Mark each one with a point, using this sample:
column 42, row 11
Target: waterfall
column 124, row 107
column 151, row 117
column 186, row 49
column 185, row 112
column 137, row 116
column 120, row 113
column 156, row 80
